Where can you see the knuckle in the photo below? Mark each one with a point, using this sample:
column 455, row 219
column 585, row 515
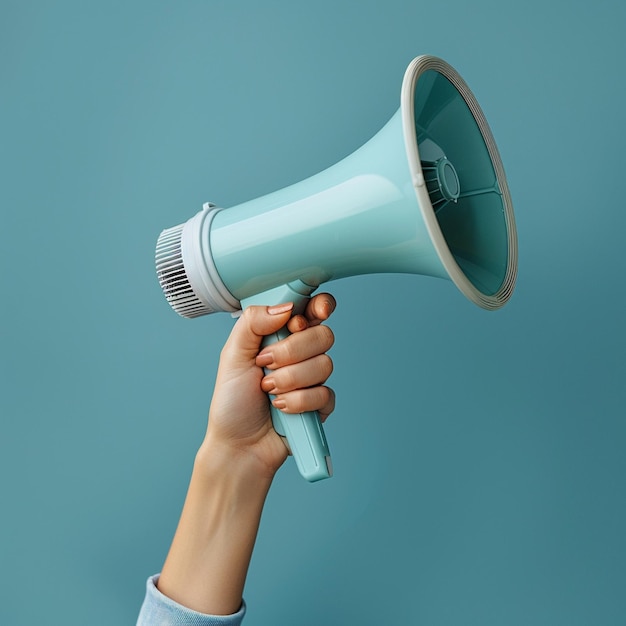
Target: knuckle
column 287, row 379
column 329, row 404
column 281, row 353
column 326, row 365
column 293, row 400
column 326, row 395
column 284, row 352
column 327, row 336
column 248, row 313
column 248, row 316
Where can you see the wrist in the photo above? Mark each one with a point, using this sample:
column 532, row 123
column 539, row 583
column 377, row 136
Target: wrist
column 223, row 462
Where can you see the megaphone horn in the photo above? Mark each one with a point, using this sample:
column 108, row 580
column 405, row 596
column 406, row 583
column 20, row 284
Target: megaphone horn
column 426, row 195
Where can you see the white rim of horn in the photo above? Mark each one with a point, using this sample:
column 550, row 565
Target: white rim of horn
column 415, row 69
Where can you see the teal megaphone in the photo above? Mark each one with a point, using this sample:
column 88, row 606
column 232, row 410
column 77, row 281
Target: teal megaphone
column 426, row 195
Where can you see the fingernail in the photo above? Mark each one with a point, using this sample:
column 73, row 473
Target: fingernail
column 279, row 404
column 264, row 359
column 330, row 306
column 269, row 386
column 277, row 309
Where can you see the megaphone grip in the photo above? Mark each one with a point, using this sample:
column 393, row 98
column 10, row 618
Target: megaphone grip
column 303, row 432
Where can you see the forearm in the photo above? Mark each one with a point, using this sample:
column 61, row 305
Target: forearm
column 207, row 564
column 208, row 561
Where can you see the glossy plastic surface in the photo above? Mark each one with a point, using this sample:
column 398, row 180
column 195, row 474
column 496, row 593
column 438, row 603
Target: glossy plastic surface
column 360, row 216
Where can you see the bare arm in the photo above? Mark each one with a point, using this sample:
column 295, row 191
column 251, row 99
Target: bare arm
column 207, row 564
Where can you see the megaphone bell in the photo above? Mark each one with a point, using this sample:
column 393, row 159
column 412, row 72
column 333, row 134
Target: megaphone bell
column 426, row 195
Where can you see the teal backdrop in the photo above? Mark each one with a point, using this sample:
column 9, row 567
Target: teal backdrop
column 479, row 457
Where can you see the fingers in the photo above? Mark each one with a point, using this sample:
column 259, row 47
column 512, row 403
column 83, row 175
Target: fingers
column 320, row 399
column 297, row 323
column 297, row 367
column 328, row 407
column 296, row 348
column 257, row 321
column 312, row 372
column 319, row 309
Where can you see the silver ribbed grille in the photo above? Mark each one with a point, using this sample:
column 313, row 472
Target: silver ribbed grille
column 172, row 276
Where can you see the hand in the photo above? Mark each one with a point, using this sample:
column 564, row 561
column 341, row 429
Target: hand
column 241, row 452
column 298, row 367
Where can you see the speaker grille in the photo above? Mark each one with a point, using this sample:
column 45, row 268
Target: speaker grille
column 442, row 182
column 173, row 277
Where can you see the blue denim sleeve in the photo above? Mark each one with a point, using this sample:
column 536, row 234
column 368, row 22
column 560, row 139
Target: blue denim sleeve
column 159, row 610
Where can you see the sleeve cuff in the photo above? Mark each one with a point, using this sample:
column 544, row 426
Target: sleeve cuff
column 159, row 610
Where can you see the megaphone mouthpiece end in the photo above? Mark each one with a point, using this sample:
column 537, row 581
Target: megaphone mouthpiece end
column 173, row 277
column 186, row 271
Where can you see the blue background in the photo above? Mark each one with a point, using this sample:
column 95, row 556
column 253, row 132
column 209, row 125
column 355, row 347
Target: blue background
column 479, row 457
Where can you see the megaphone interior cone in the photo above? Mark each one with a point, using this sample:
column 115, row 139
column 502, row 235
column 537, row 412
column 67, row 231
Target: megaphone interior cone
column 460, row 182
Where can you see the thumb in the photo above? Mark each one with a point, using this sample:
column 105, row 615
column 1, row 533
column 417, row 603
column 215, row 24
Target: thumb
column 256, row 322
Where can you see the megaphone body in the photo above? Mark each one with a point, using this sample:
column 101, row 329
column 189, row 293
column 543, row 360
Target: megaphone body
column 426, row 195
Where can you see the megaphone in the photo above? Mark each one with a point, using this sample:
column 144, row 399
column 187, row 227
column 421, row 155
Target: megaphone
column 426, row 195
